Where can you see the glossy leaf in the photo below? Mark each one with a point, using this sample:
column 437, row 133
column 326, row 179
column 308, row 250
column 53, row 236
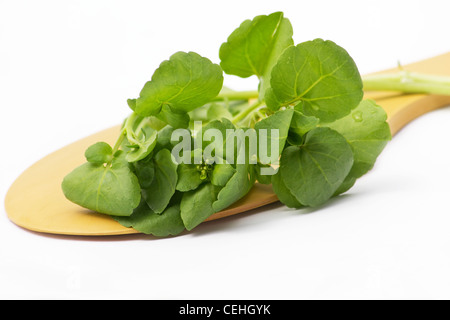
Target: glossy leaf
column 221, row 174
column 99, row 153
column 184, row 82
column 283, row 193
column 147, row 221
column 367, row 132
column 111, row 189
column 174, row 118
column 236, row 188
column 188, row 177
column 163, row 185
column 300, row 125
column 319, row 78
column 254, row 47
column 197, row 205
column 314, row 171
column 279, row 122
column 145, row 172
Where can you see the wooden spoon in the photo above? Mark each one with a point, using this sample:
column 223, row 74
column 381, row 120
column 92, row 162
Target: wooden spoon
column 47, row 210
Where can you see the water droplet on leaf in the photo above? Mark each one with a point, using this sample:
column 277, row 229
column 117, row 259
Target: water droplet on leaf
column 357, row 116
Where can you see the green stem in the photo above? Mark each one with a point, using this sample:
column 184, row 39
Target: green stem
column 237, row 95
column 126, row 128
column 408, row 82
column 244, row 113
column 119, row 141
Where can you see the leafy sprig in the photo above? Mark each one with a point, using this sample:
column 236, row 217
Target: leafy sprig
column 309, row 93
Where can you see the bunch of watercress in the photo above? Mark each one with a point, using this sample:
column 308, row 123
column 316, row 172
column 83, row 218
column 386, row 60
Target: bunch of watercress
column 311, row 93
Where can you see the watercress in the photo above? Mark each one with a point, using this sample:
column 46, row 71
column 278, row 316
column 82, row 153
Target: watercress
column 110, row 187
column 184, row 82
column 307, row 114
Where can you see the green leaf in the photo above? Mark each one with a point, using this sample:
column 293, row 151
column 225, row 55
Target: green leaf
column 283, row 193
column 367, row 132
column 131, row 103
column 319, row 77
column 184, row 82
column 145, row 141
column 176, row 119
column 221, row 174
column 197, row 205
column 110, row 189
column 314, row 171
column 146, row 221
column 263, row 173
column 237, row 187
column 300, row 125
column 223, row 125
column 254, row 47
column 99, row 153
column 188, row 177
column 216, row 110
column 280, row 121
column 271, row 100
column 163, row 140
column 163, row 185
column 145, row 172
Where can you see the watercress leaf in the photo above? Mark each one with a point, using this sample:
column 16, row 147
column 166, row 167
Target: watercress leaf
column 147, row 221
column 163, row 185
column 110, row 189
column 215, row 110
column 254, row 47
column 188, row 177
column 300, row 125
column 240, row 145
column 314, row 171
column 197, row 205
column 236, row 188
column 99, row 153
column 132, row 103
column 220, row 124
column 224, row 126
column 319, row 77
column 184, row 82
column 146, row 139
column 145, row 172
column 347, row 184
column 156, row 123
column 283, row 193
column 271, row 100
column 176, row 119
column 263, row 173
column 367, row 132
column 163, row 140
column 280, row 123
column 221, row 174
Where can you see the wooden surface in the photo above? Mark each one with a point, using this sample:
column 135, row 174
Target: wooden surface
column 47, row 210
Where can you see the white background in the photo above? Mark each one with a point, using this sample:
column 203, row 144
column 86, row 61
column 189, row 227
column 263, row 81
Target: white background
column 66, row 70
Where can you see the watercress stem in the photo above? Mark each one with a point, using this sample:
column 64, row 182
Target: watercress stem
column 126, row 128
column 408, row 82
column 237, row 95
column 244, row 113
column 119, row 141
